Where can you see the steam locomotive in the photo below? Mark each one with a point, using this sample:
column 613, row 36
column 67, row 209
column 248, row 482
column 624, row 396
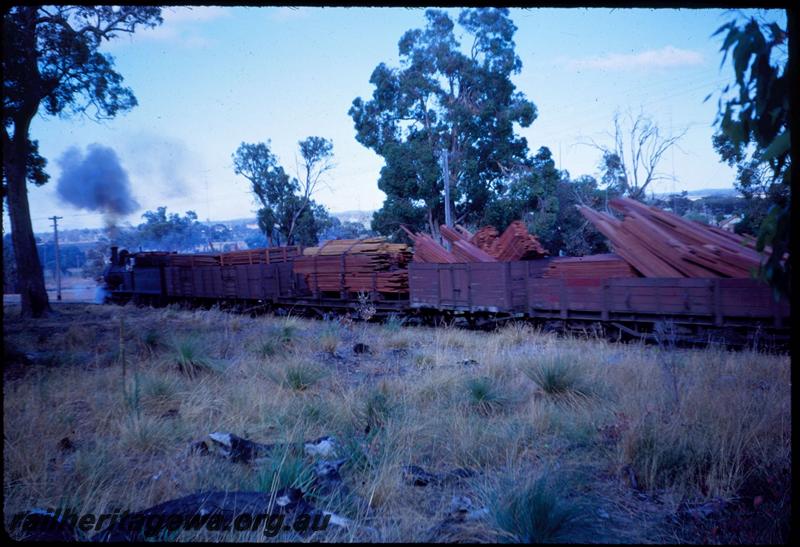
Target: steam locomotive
column 734, row 311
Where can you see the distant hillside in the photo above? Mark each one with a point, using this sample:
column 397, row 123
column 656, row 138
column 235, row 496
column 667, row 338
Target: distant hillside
column 703, row 193
column 364, row 217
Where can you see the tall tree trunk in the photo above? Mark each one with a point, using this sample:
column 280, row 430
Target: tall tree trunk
column 29, row 270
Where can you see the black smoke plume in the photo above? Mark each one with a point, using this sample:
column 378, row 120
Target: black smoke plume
column 96, row 182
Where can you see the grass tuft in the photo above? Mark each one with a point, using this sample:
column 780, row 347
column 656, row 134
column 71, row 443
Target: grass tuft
column 329, row 338
column 378, row 407
column 486, row 395
column 538, row 512
column 394, row 323
column 301, row 376
column 558, row 375
column 191, row 357
column 286, row 470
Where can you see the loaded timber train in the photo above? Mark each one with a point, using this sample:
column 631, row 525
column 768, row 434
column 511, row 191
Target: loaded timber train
column 695, row 310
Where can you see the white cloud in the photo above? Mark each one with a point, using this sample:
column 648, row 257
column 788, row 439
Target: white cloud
column 666, row 57
column 181, row 26
column 288, row 13
column 193, row 13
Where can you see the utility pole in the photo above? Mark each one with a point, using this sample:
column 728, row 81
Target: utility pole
column 446, row 175
column 55, row 220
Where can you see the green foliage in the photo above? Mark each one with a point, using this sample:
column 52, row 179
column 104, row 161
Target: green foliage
column 70, row 257
column 336, row 229
column 445, row 100
column 754, row 132
column 285, row 333
column 269, row 182
column 562, row 228
column 287, row 208
column 528, row 194
column 79, row 77
column 165, row 231
column 663, row 457
column 614, row 176
column 34, row 170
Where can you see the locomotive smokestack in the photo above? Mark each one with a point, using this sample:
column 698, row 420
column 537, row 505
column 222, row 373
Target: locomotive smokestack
column 114, row 249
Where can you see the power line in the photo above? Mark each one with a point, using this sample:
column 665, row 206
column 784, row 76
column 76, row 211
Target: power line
column 565, row 130
column 642, row 90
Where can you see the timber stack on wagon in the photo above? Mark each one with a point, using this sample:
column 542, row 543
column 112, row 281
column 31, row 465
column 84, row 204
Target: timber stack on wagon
column 661, row 244
column 589, row 267
column 484, row 246
column 427, row 250
column 268, row 255
column 516, row 244
column 356, row 265
column 192, row 260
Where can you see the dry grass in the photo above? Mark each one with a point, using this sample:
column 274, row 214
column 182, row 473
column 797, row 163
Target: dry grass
column 554, row 429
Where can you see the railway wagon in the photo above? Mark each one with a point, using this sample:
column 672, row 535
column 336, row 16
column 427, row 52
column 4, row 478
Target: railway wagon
column 158, row 278
column 631, row 306
column 265, row 282
column 692, row 309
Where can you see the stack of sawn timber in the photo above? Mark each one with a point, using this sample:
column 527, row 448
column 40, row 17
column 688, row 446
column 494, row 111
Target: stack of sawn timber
column 427, row 250
column 662, row 244
column 267, row 255
column 355, row 265
column 589, row 267
column 516, row 244
column 193, row 260
column 485, row 237
column 462, row 248
column 484, row 246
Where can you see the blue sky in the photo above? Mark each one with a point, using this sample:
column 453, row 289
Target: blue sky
column 212, row 77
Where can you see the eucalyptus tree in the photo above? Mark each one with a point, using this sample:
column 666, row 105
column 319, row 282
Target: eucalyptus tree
column 446, row 100
column 287, row 207
column 51, row 58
